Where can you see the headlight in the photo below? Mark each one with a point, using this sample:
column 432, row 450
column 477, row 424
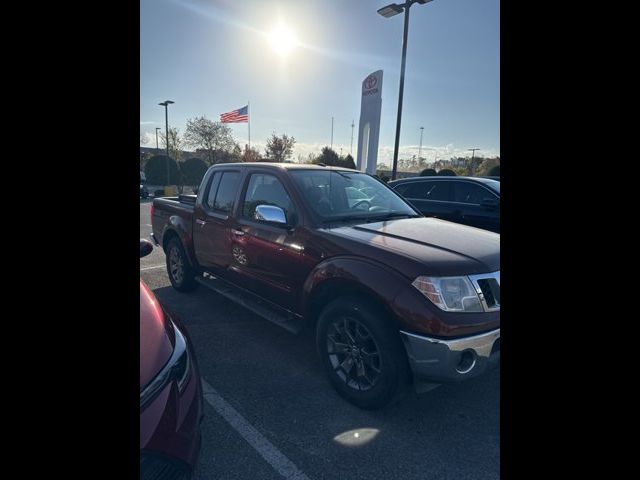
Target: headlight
column 177, row 368
column 181, row 369
column 451, row 294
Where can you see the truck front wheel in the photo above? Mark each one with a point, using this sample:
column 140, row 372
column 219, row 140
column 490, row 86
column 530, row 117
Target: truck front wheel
column 362, row 353
column 181, row 273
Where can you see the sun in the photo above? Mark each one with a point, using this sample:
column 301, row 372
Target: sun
column 282, row 40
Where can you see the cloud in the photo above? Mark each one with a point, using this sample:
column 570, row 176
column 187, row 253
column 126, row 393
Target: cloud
column 385, row 152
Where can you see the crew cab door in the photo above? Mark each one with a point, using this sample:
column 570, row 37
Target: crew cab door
column 266, row 256
column 211, row 220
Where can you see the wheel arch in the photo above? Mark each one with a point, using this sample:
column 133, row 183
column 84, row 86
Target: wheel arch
column 344, row 276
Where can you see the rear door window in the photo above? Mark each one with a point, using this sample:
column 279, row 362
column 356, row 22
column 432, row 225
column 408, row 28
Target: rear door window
column 227, row 190
column 440, row 191
column 213, row 189
column 467, row 192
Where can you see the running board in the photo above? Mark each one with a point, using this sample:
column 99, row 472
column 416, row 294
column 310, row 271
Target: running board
column 250, row 301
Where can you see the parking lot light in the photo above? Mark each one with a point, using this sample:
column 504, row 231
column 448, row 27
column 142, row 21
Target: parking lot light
column 166, row 104
column 388, row 11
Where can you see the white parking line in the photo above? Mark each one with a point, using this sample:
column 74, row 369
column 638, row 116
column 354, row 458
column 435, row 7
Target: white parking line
column 151, row 268
column 264, row 447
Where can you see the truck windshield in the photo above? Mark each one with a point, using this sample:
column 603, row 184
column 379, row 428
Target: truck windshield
column 343, row 195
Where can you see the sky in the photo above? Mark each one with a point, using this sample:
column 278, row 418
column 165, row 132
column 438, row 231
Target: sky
column 213, row 56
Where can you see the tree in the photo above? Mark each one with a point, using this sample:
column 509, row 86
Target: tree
column 156, row 171
column 487, row 166
column 447, row 172
column 428, row 172
column 328, row 157
column 176, row 143
column 250, row 154
column 193, row 169
column 495, row 171
column 209, row 137
column 348, row 162
column 279, row 149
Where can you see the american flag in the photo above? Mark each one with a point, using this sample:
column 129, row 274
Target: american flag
column 240, row 115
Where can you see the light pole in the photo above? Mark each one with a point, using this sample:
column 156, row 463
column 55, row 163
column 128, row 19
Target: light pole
column 473, row 156
column 390, row 11
column 331, row 133
column 420, row 149
column 353, row 124
column 166, row 104
column 157, row 147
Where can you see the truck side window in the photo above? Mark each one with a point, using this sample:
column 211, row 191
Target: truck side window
column 467, row 192
column 265, row 189
column 227, row 190
column 213, row 189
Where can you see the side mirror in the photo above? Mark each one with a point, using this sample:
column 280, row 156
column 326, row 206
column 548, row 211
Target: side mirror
column 270, row 213
column 490, row 203
column 146, row 247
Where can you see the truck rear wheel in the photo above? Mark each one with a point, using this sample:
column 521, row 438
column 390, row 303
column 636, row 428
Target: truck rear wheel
column 361, row 353
column 181, row 273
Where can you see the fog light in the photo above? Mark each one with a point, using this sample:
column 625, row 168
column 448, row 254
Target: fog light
column 467, row 362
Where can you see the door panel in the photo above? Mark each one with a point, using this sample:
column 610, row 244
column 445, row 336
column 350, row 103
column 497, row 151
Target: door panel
column 266, row 257
column 211, row 229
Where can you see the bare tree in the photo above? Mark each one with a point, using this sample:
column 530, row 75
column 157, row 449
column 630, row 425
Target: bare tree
column 176, row 143
column 250, row 154
column 279, row 149
column 208, row 136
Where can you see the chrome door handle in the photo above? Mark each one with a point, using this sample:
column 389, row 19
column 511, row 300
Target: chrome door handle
column 200, row 222
column 237, row 232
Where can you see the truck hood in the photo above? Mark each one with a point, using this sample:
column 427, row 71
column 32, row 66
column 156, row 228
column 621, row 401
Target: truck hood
column 156, row 336
column 427, row 246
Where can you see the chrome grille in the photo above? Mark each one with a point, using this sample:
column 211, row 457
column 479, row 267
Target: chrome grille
column 488, row 287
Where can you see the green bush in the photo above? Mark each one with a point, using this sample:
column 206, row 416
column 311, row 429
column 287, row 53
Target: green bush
column 495, row 171
column 193, row 169
column 156, row 171
column 447, row 173
column 428, row 172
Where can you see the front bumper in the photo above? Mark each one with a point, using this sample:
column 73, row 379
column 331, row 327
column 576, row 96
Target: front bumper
column 436, row 360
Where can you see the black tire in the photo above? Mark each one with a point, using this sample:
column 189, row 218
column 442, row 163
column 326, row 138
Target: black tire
column 181, row 274
column 370, row 331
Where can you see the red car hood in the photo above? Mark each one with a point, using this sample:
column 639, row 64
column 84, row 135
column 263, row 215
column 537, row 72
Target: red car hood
column 436, row 246
column 156, row 336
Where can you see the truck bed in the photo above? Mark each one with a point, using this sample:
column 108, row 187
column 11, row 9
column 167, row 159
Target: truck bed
column 166, row 209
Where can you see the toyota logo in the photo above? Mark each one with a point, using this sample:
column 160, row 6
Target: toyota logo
column 370, row 82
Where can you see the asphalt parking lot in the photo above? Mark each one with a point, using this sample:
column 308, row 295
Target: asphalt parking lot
column 272, row 383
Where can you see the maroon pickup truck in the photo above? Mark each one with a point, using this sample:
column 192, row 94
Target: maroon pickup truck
column 394, row 298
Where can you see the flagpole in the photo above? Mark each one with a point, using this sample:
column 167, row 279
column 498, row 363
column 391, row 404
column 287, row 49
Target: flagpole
column 249, row 123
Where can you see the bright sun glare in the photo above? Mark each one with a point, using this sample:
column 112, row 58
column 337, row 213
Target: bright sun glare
column 282, row 40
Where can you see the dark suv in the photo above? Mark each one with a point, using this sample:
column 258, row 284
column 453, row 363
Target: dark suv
column 473, row 201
